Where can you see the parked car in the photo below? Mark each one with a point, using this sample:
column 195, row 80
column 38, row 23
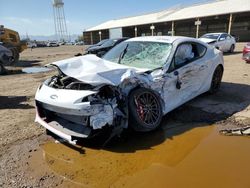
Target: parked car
column 31, row 45
column 105, row 47
column 97, row 44
column 69, row 43
column 6, row 57
column 52, row 44
column 41, row 44
column 246, row 53
column 222, row 41
column 80, row 43
column 134, row 85
column 61, row 43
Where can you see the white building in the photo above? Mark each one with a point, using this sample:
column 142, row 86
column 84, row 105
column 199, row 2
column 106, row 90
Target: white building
column 231, row 16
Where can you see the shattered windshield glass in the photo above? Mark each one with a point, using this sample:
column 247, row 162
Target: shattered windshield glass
column 140, row 54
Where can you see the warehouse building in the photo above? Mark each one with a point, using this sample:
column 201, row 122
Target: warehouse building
column 230, row 16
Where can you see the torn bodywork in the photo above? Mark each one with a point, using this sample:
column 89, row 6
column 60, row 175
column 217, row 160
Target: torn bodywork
column 89, row 108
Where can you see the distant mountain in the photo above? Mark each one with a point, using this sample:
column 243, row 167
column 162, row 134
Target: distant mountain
column 47, row 38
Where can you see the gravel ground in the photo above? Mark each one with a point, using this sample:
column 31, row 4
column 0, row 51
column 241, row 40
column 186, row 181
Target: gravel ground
column 20, row 137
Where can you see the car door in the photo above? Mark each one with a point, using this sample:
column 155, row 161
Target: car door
column 222, row 43
column 185, row 77
column 230, row 42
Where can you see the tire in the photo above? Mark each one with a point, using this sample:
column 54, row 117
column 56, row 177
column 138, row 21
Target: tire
column 216, row 80
column 2, row 69
column 145, row 110
column 15, row 55
column 231, row 50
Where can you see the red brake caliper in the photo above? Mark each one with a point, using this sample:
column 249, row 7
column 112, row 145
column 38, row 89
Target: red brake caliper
column 139, row 109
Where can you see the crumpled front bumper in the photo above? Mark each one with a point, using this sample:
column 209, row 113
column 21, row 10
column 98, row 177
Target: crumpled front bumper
column 63, row 112
column 58, row 130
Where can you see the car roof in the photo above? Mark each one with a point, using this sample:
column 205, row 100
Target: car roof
column 163, row 39
column 215, row 33
column 118, row 38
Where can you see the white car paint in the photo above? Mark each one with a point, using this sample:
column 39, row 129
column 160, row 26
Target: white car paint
column 94, row 70
column 195, row 78
column 223, row 42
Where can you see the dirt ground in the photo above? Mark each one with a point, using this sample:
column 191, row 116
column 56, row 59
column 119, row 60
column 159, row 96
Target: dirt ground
column 187, row 145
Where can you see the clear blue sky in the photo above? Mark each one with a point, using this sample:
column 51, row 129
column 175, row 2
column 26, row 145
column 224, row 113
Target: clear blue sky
column 36, row 16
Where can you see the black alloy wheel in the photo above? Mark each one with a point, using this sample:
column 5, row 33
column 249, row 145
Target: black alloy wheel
column 216, row 80
column 145, row 110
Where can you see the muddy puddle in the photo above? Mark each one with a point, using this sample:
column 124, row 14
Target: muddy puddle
column 186, row 156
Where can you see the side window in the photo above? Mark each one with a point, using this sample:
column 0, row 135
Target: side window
column 228, row 37
column 199, row 50
column 223, row 37
column 187, row 53
column 183, row 55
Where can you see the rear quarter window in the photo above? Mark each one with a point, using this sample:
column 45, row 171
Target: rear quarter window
column 201, row 50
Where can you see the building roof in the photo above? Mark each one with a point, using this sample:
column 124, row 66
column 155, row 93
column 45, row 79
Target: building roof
column 213, row 8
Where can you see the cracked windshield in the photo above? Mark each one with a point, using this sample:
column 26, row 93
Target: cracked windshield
column 140, row 54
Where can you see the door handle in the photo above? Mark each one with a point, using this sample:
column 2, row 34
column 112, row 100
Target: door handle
column 202, row 67
column 178, row 82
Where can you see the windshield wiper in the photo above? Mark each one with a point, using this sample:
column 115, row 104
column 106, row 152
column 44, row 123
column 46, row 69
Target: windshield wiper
column 122, row 54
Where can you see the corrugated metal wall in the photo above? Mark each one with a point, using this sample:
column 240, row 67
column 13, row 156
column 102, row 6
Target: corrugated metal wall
column 240, row 28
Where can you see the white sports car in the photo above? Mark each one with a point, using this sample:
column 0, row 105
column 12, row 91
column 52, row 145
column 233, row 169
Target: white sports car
column 222, row 41
column 134, row 85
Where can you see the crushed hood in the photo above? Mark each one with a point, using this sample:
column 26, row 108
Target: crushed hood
column 95, row 71
column 206, row 40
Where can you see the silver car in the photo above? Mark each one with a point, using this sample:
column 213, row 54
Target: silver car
column 222, row 41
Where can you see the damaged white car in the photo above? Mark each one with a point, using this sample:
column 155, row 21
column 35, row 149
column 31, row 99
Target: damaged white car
column 134, row 85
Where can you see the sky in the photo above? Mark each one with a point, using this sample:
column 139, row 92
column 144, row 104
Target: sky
column 35, row 17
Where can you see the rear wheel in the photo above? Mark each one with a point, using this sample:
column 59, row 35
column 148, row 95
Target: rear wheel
column 15, row 55
column 145, row 110
column 216, row 80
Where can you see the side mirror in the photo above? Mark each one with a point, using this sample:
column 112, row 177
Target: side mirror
column 221, row 39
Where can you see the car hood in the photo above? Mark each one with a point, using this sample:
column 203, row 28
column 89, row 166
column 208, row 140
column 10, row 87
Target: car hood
column 95, row 48
column 95, row 71
column 206, row 40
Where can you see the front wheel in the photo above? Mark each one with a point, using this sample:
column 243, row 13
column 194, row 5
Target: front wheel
column 145, row 110
column 231, row 50
column 216, row 80
column 2, row 69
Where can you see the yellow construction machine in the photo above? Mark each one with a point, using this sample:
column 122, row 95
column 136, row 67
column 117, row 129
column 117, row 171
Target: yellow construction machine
column 11, row 40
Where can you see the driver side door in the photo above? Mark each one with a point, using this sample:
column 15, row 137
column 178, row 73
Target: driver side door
column 185, row 78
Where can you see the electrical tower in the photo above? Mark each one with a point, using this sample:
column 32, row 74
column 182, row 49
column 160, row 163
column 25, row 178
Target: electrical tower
column 59, row 20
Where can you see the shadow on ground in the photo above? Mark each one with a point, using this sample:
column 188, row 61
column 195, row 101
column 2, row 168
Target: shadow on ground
column 25, row 63
column 234, row 53
column 14, row 102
